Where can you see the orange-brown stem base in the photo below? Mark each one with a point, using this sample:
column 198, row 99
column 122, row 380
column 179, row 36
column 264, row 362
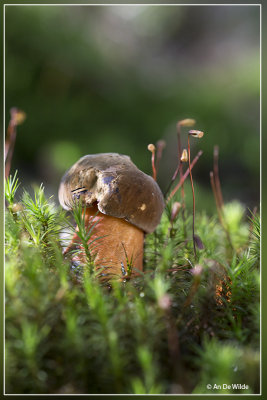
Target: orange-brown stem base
column 119, row 245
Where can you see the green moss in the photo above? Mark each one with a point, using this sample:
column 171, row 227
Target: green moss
column 185, row 323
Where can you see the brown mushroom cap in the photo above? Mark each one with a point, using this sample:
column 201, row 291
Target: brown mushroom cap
column 117, row 185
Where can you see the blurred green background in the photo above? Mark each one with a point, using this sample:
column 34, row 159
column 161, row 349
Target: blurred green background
column 115, row 78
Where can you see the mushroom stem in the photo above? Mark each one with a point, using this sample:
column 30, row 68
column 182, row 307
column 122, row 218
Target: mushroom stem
column 118, row 250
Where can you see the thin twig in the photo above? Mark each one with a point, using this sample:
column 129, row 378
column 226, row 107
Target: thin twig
column 152, row 148
column 160, row 145
column 177, row 187
column 181, row 174
column 173, row 178
column 215, row 193
column 219, row 210
column 153, row 166
column 193, row 193
column 17, row 118
column 10, row 144
column 216, row 175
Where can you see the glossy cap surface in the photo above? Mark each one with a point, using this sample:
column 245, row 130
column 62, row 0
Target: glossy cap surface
column 118, row 187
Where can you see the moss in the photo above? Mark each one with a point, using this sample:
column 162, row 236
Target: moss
column 185, row 323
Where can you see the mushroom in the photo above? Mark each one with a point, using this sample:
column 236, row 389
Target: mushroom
column 122, row 202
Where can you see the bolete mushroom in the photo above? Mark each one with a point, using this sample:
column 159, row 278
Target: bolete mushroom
column 121, row 201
